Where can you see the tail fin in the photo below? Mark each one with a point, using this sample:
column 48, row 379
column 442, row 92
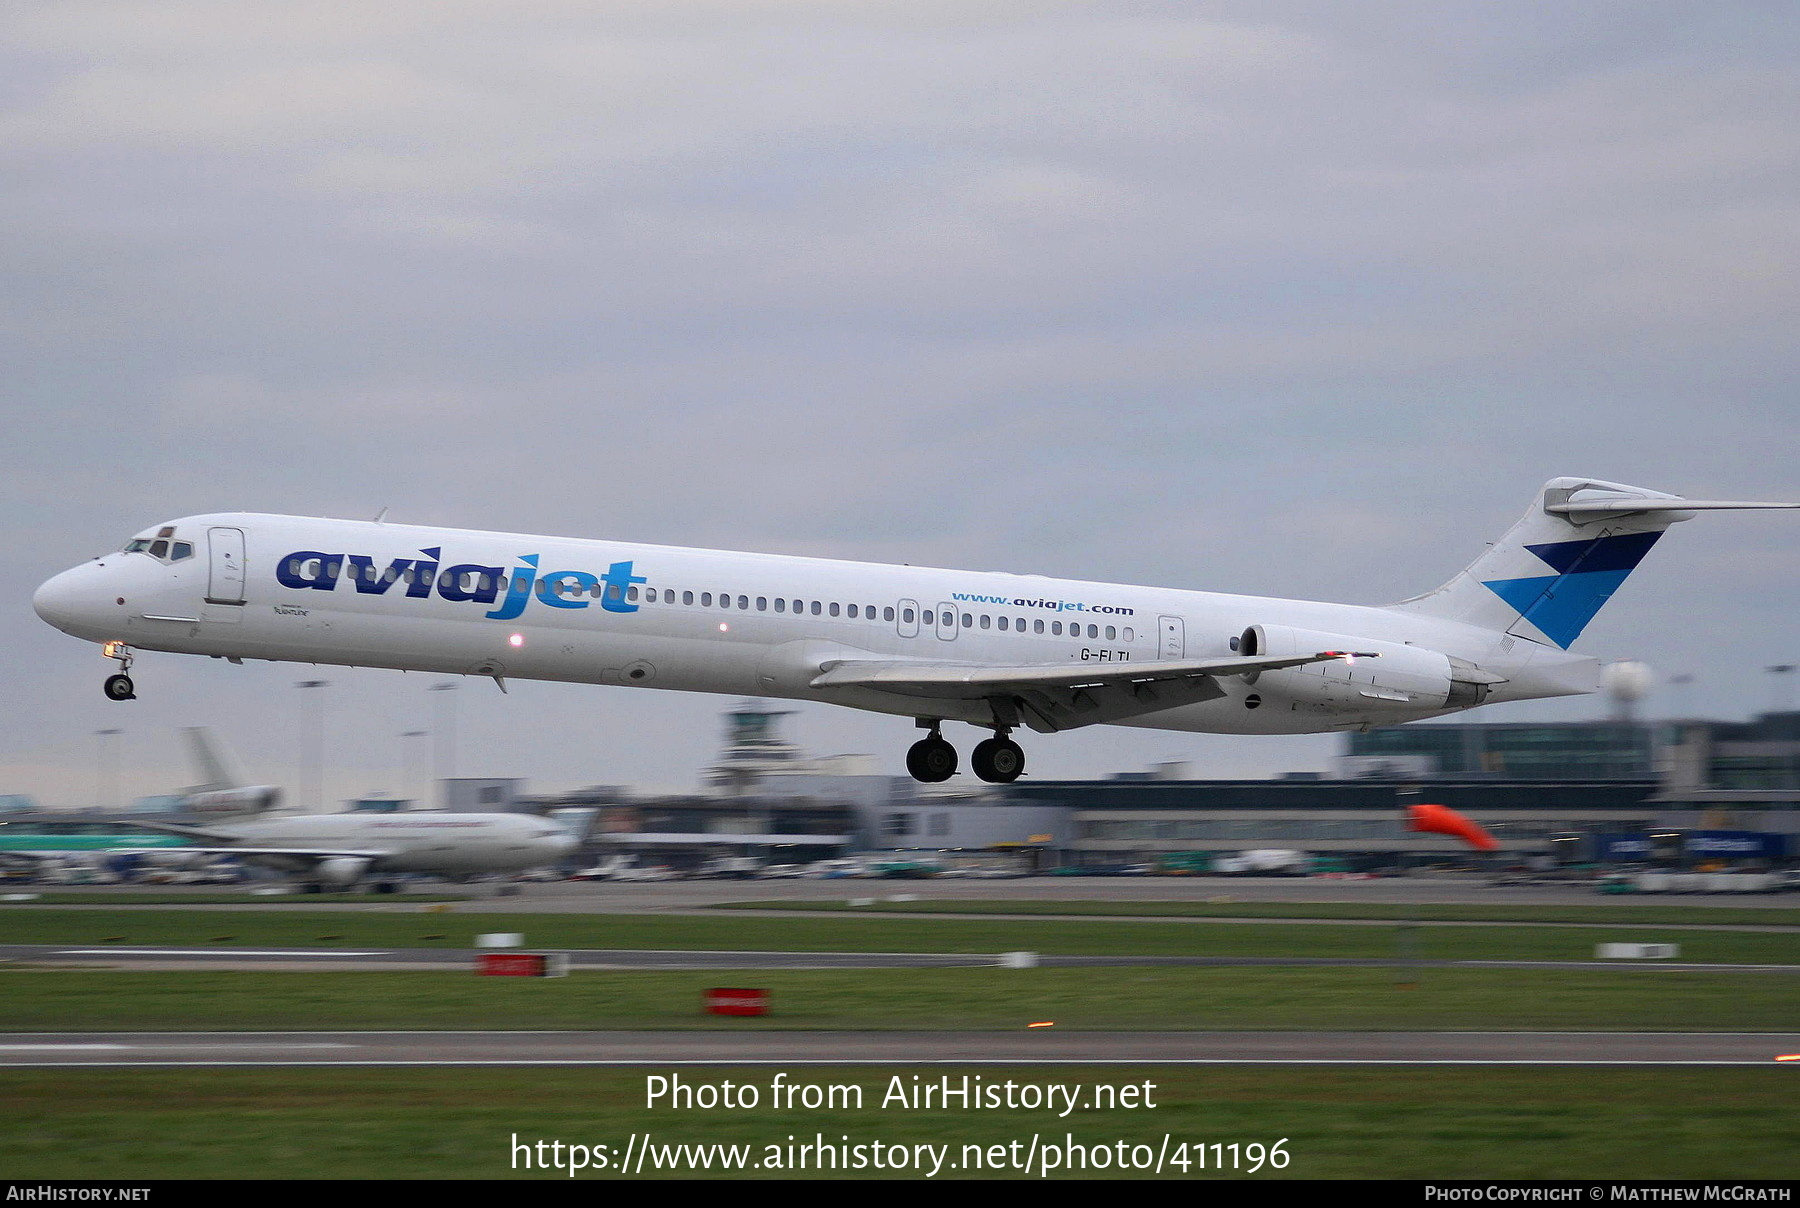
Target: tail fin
column 1563, row 560
column 218, row 768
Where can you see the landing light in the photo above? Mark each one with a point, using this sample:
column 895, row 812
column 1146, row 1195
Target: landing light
column 724, row 628
column 517, row 639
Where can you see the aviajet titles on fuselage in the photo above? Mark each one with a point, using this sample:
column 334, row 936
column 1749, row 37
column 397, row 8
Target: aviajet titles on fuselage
column 464, row 582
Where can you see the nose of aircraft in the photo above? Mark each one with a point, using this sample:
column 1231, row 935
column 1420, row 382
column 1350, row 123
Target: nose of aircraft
column 56, row 600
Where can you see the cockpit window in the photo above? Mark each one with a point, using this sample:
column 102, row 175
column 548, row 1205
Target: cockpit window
column 161, row 547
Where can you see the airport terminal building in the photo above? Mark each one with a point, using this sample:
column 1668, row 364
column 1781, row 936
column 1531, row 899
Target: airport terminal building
column 1672, row 792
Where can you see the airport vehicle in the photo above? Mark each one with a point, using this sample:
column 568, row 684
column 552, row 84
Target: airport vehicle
column 996, row 651
column 1264, row 862
column 730, row 867
column 223, row 790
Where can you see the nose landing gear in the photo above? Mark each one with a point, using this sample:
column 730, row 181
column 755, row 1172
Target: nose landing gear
column 119, row 687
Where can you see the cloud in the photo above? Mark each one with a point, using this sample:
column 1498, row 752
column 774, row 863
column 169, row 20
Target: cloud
column 1296, row 299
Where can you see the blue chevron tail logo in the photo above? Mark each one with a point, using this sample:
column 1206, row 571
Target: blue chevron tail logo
column 1588, row 572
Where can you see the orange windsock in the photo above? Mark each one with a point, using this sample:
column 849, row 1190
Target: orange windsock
column 1442, row 820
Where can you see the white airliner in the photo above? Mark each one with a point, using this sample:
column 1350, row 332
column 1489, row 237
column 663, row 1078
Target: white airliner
column 344, row 848
column 224, row 789
column 997, row 651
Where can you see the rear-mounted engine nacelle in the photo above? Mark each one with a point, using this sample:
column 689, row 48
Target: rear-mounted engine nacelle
column 1398, row 676
column 340, row 870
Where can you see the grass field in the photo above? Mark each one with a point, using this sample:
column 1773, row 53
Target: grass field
column 1139, row 998
column 1137, row 937
column 1387, row 1123
column 1555, row 1123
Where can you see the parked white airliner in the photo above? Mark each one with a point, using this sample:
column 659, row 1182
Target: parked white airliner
column 343, row 848
column 993, row 650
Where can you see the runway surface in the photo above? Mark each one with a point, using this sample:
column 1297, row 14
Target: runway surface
column 1036, row 1047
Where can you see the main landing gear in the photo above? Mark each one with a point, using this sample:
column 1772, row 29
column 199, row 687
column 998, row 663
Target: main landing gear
column 119, row 687
column 997, row 760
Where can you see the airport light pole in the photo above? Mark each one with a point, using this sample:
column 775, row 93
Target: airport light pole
column 444, row 766
column 1782, row 699
column 106, row 775
column 1681, row 684
column 407, row 774
column 315, row 747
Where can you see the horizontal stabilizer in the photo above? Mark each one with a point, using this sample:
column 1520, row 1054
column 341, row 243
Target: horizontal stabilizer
column 1583, row 507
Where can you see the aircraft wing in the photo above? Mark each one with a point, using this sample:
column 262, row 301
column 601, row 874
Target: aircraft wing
column 334, row 865
column 304, row 854
column 341, row 863
column 1060, row 696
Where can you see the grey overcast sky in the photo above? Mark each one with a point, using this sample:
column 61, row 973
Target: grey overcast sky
column 1298, row 299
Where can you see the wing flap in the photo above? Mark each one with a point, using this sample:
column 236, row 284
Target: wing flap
column 973, row 681
column 1061, row 696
